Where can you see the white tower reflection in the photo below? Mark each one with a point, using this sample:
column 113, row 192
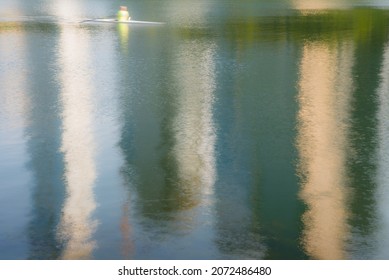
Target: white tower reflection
column 194, row 132
column 383, row 158
column 78, row 144
column 325, row 88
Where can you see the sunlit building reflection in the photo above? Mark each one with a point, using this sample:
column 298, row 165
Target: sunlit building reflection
column 325, row 88
column 194, row 132
column 77, row 224
column 382, row 196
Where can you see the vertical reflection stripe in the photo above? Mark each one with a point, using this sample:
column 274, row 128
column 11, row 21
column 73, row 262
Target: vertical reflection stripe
column 78, row 145
column 324, row 96
column 193, row 125
column 383, row 159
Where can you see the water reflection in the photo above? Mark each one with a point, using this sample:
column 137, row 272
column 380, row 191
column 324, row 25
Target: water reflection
column 123, row 31
column 364, row 134
column 383, row 159
column 13, row 99
column 325, row 88
column 179, row 13
column 14, row 105
column 254, row 149
column 43, row 145
column 194, row 132
column 78, row 145
column 316, row 5
column 167, row 142
column 77, row 225
column 223, row 65
column 140, row 142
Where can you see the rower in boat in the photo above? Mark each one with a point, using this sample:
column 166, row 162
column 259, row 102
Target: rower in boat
column 123, row 14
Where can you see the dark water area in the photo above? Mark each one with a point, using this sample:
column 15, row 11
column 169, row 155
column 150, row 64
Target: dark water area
column 236, row 130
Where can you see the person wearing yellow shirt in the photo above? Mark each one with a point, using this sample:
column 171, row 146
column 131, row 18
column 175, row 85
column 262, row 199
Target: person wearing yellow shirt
column 123, row 14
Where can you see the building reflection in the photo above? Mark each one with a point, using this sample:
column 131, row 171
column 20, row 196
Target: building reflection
column 140, row 140
column 43, row 136
column 256, row 210
column 167, row 137
column 382, row 196
column 365, row 134
column 76, row 226
column 194, row 133
column 77, row 144
column 325, row 89
column 168, row 140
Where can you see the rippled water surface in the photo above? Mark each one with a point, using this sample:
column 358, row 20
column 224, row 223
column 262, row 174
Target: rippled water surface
column 236, row 130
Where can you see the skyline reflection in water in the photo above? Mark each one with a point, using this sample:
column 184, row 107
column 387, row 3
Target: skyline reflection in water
column 213, row 137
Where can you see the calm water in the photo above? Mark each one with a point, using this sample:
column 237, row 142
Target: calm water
column 237, row 130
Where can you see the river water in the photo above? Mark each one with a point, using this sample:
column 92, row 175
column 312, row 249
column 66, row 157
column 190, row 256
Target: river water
column 237, row 130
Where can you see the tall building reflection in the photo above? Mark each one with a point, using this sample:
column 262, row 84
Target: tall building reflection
column 167, row 138
column 77, row 144
column 140, row 141
column 43, row 136
column 76, row 227
column 382, row 196
column 257, row 213
column 193, row 128
column 325, row 89
column 364, row 131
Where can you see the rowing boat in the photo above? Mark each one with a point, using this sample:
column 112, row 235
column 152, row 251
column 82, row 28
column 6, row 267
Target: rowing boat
column 109, row 20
